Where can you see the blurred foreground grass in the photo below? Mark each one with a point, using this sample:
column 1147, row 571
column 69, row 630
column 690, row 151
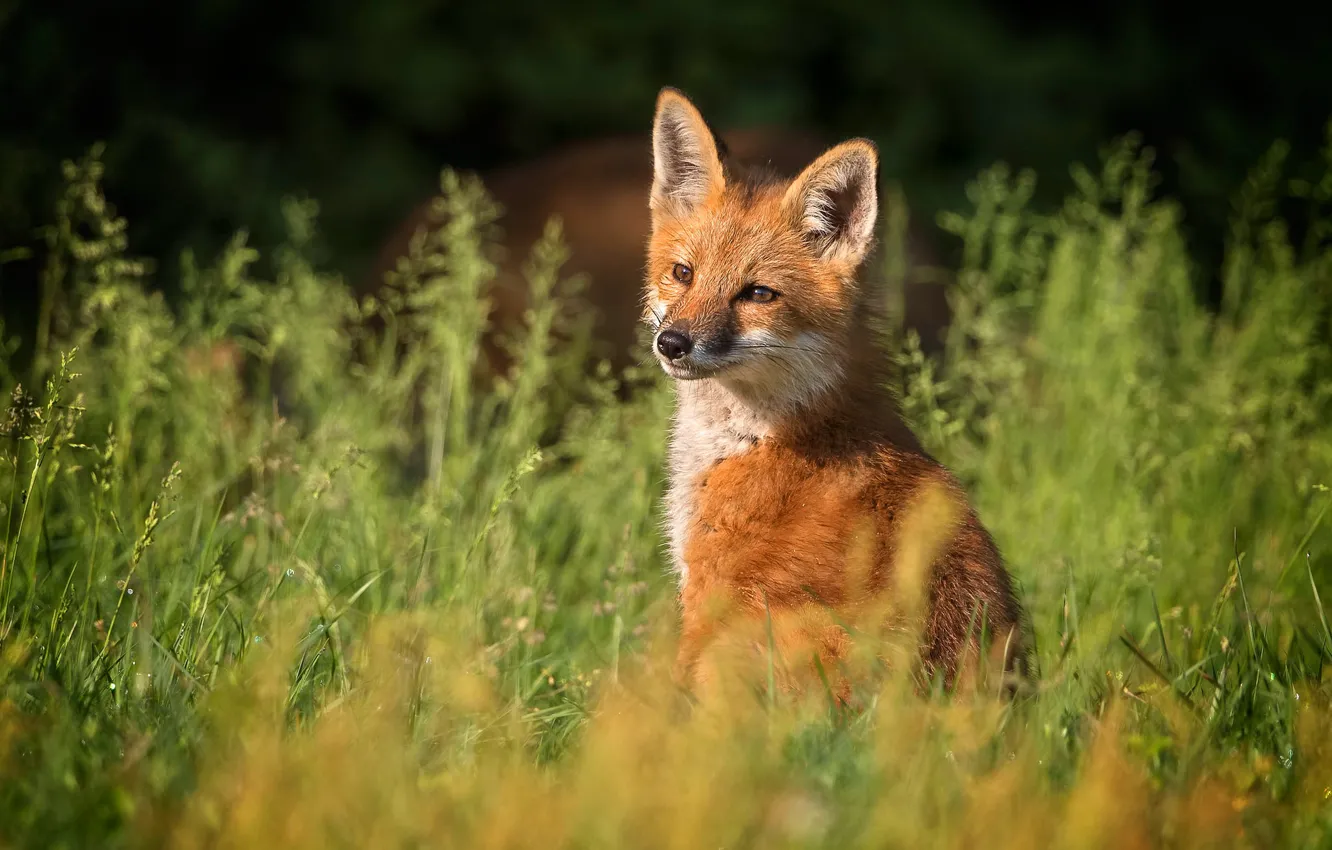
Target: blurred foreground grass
column 398, row 611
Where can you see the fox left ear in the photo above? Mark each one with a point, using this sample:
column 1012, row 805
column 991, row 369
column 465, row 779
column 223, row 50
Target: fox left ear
column 686, row 157
column 835, row 201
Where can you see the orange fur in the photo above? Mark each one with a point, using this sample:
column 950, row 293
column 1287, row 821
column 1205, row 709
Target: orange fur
column 793, row 478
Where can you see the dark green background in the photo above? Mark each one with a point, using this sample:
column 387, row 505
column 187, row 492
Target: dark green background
column 215, row 109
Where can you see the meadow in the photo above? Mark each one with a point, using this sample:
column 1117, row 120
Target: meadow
column 347, row 596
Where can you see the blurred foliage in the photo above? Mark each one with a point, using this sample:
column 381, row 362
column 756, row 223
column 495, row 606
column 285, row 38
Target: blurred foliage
column 213, row 111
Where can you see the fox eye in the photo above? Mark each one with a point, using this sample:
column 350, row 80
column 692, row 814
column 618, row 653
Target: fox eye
column 758, row 294
column 682, row 273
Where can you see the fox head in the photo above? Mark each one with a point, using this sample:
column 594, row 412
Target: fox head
column 751, row 279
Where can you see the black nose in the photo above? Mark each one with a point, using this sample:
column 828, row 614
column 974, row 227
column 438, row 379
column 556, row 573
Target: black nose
column 673, row 344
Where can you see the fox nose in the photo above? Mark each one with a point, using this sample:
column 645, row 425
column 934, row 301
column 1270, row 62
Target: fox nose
column 673, row 344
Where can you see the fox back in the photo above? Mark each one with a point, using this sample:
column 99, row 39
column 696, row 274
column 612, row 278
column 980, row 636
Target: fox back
column 797, row 495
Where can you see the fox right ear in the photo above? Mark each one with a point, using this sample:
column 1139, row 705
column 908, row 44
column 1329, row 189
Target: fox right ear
column 686, row 166
column 835, row 201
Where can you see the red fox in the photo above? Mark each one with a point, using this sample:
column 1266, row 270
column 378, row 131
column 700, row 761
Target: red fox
column 597, row 190
column 789, row 466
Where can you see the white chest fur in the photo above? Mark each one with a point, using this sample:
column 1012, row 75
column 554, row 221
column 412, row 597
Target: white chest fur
column 711, row 424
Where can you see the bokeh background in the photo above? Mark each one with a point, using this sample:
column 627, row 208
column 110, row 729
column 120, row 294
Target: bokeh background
column 214, row 110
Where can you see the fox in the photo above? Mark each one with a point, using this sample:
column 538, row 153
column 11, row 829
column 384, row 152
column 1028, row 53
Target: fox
column 596, row 188
column 793, row 482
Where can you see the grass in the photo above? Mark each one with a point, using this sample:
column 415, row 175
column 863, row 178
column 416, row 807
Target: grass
column 350, row 599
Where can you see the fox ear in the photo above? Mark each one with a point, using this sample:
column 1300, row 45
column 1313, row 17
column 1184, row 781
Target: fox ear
column 835, row 201
column 686, row 164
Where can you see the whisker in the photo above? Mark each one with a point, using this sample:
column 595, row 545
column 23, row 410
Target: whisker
column 759, row 346
column 656, row 320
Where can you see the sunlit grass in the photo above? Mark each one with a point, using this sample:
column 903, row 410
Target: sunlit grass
column 352, row 596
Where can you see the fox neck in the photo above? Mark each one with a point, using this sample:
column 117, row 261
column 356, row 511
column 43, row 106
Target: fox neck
column 716, row 418
column 840, row 393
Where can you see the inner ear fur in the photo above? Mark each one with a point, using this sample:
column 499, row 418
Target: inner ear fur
column 835, row 201
column 686, row 157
